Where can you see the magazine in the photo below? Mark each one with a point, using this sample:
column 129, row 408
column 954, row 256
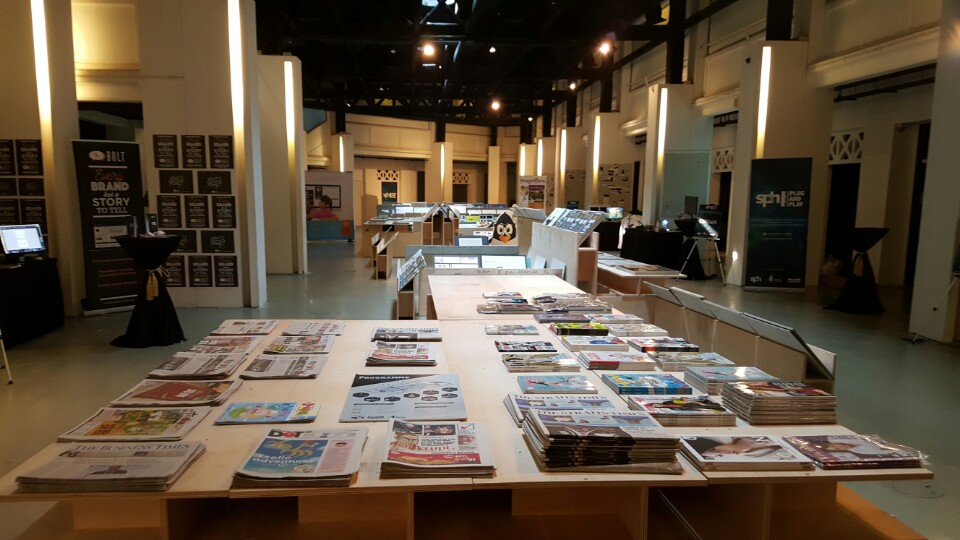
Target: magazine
column 680, row 361
column 241, row 327
column 385, row 353
column 406, row 334
column 436, row 450
column 578, row 329
column 710, row 379
column 519, row 404
column 498, row 308
column 316, row 458
column 112, row 467
column 555, row 384
column 286, row 366
column 547, row 318
column 314, row 328
column 855, row 452
column 616, row 318
column 743, row 453
column 665, row 344
column 377, row 398
column 502, row 294
column 525, row 346
column 301, row 344
column 280, row 412
column 157, row 393
column 594, row 343
column 197, row 366
column 112, row 424
column 636, row 330
column 226, row 345
column 511, row 330
column 683, row 411
column 653, row 383
column 539, row 362
column 616, row 360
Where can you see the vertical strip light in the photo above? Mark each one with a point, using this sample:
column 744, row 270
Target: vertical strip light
column 340, row 139
column 764, row 101
column 539, row 157
column 40, row 61
column 289, row 103
column 443, row 168
column 523, row 159
column 236, row 67
column 661, row 131
column 596, row 152
column 563, row 153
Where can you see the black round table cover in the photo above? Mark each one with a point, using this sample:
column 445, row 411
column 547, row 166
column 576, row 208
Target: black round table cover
column 153, row 322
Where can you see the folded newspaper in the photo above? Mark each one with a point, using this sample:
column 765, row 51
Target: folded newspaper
column 156, row 393
column 284, row 366
column 137, row 424
column 315, row 458
column 103, row 467
column 185, row 365
column 242, row 327
column 436, row 450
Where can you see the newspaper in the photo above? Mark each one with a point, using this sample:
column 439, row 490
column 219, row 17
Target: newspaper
column 314, row 328
column 157, row 393
column 226, row 344
column 141, row 424
column 314, row 454
column 378, row 398
column 436, row 449
column 286, row 366
column 240, row 327
column 185, row 365
column 301, row 345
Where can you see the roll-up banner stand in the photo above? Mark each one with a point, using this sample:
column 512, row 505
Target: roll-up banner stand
column 111, row 205
column 777, row 227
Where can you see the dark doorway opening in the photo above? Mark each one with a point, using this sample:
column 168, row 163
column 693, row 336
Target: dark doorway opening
column 511, row 184
column 916, row 204
column 842, row 214
column 460, row 193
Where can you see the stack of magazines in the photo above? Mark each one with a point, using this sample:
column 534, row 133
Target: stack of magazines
column 519, row 404
column 616, row 318
column 578, row 329
column 636, row 330
column 780, row 402
column 855, row 452
column 662, row 344
column 539, row 362
column 406, row 334
column 684, row 411
column 157, row 393
column 601, row 441
column 680, row 361
column 315, row 458
column 185, row 365
column 111, row 467
column 616, row 360
column 642, row 383
column 496, row 308
column 436, row 450
column 743, row 453
column 711, row 379
column 385, row 353
column 594, row 343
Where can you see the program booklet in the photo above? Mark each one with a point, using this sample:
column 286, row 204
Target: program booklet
column 280, row 412
column 525, row 346
column 315, row 458
column 285, row 366
column 743, row 453
column 511, row 330
column 377, row 398
column 519, row 404
column 436, row 450
column 555, row 384
column 539, row 362
column 301, row 344
column 406, row 334
column 157, row 393
column 226, row 345
column 112, row 467
column 314, row 328
column 385, row 353
column 112, row 424
column 197, row 366
column 242, row 327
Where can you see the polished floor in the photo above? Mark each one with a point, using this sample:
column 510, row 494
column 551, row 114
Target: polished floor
column 887, row 386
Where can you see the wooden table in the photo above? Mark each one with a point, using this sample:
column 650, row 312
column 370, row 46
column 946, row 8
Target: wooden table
column 631, row 283
column 203, row 505
column 456, row 297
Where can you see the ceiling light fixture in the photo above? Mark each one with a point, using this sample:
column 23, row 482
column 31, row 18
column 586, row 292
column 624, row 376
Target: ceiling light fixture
column 604, row 47
column 428, row 49
column 493, row 49
column 529, row 119
column 495, row 104
column 573, row 86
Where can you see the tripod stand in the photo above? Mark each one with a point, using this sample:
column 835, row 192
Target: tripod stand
column 4, row 361
column 953, row 281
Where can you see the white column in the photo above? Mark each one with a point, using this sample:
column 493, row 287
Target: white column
column 439, row 172
column 496, row 187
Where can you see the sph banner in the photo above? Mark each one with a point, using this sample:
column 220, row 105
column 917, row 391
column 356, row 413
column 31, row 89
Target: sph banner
column 111, row 204
column 777, row 228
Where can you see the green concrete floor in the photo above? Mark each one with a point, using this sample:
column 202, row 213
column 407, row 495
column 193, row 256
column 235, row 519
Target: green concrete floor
column 885, row 385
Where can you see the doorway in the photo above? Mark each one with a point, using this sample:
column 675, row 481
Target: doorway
column 511, row 183
column 460, row 193
column 842, row 215
column 916, row 205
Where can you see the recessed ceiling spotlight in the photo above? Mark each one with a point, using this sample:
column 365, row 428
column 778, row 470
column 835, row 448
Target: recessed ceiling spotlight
column 493, row 49
column 393, row 51
column 604, row 47
column 495, row 104
column 429, row 50
column 573, row 86
column 529, row 119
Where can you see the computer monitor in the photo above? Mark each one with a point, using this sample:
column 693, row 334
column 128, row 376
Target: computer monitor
column 614, row 213
column 20, row 239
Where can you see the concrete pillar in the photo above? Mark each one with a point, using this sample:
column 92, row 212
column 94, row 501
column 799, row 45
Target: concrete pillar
column 439, row 172
column 547, row 166
column 606, row 145
column 48, row 113
column 940, row 223
column 496, row 184
column 571, row 160
column 797, row 125
column 282, row 162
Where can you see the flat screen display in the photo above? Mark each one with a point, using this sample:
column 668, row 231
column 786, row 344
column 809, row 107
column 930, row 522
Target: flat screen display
column 18, row 239
column 614, row 212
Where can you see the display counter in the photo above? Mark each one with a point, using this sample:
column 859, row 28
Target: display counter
column 32, row 301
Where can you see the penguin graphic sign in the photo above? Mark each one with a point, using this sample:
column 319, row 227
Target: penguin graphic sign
column 504, row 230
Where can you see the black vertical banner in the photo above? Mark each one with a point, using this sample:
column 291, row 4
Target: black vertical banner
column 777, row 227
column 111, row 198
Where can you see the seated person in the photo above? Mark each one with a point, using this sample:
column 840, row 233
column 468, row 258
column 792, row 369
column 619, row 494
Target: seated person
column 322, row 211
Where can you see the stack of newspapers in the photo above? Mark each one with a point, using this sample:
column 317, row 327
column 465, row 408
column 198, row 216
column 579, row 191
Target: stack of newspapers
column 600, row 441
column 437, row 449
column 109, row 467
column 385, row 353
column 314, row 458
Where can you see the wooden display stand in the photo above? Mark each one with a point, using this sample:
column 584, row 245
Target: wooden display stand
column 383, row 261
column 561, row 248
column 632, row 283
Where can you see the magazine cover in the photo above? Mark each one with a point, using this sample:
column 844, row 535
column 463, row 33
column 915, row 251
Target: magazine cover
column 725, row 373
column 197, row 366
column 112, row 424
column 598, row 418
column 626, row 360
column 268, row 413
column 277, row 366
column 437, row 445
column 511, row 330
column 314, row 328
column 778, row 389
column 239, row 327
column 519, row 404
column 160, row 393
column 377, row 398
column 679, row 405
column 552, row 384
column 654, row 383
column 743, row 452
column 515, row 362
column 384, row 350
column 855, row 451
column 588, row 343
column 301, row 345
column 525, row 346
column 306, row 454
column 226, row 345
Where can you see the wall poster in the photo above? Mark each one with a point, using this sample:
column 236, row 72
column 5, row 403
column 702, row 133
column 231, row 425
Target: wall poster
column 188, row 241
column 200, row 271
column 176, row 181
column 176, row 273
column 9, row 212
column 165, row 152
column 34, row 211
column 777, row 227
column 224, row 212
column 198, row 211
column 111, row 202
column 170, row 211
column 29, row 157
column 213, row 182
column 194, row 151
column 31, row 187
column 388, row 192
column 226, row 270
column 532, row 192
column 221, row 151
column 216, row 241
column 8, row 187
